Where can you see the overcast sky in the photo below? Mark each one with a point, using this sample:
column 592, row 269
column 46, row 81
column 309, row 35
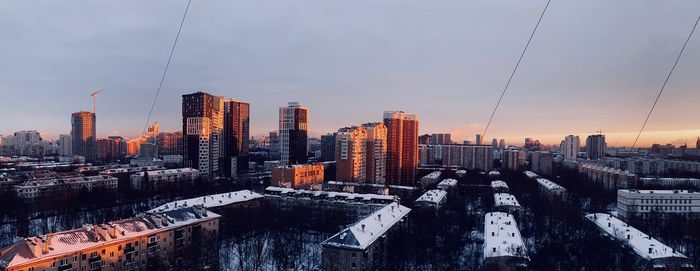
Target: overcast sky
column 592, row 64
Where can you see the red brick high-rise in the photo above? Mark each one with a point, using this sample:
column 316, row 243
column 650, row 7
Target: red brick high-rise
column 402, row 147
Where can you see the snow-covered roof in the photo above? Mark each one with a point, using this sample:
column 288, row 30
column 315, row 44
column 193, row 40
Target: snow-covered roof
column 211, row 201
column 401, row 187
column 328, row 194
column 127, row 170
column 549, row 185
column 363, row 233
column 499, row 184
column 502, row 237
column 461, row 171
column 432, row 196
column 61, row 181
column 505, row 199
column 636, row 191
column 448, row 182
column 642, row 244
column 169, row 172
column 94, row 236
column 433, row 175
column 494, row 173
column 531, row 174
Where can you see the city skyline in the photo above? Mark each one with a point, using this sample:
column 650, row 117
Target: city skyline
column 578, row 83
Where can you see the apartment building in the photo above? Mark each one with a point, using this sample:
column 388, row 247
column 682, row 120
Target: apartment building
column 158, row 178
column 56, row 186
column 663, row 203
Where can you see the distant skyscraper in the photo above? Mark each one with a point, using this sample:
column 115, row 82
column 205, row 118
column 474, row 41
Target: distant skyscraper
column 84, row 135
column 478, row 139
column 376, row 152
column 153, row 130
column 402, row 147
column 571, row 147
column 236, row 137
column 425, row 139
column 542, row 162
column 494, row 143
column 328, row 147
column 350, row 155
column 169, row 143
column 697, row 143
column 66, row 145
column 502, row 144
column 595, row 146
column 293, row 132
column 202, row 123
column 441, row 139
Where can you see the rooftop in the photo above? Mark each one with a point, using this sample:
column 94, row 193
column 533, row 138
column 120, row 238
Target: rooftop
column 59, row 181
column 211, row 201
column 502, row 237
column 39, row 248
column 448, row 182
column 494, row 173
column 642, row 244
column 505, row 199
column 432, row 196
column 549, row 185
column 499, row 184
column 169, row 171
column 363, row 233
column 636, row 191
column 328, row 194
column 433, row 175
column 531, row 174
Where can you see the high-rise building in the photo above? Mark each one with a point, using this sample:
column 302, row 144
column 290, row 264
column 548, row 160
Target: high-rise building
column 169, row 143
column 111, row 148
column 571, row 147
column 595, row 146
column 478, row 139
column 697, row 143
column 375, row 151
column 542, row 162
column 327, row 147
column 441, row 139
column 293, row 131
column 202, row 123
column 494, row 143
column 273, row 150
column 532, row 145
column 402, row 147
column 66, row 145
column 84, row 135
column 502, row 144
column 425, row 139
column 512, row 159
column 153, row 129
column 236, row 137
column 350, row 155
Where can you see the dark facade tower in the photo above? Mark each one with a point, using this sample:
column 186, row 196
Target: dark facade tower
column 200, row 114
column 293, row 127
column 84, row 135
column 328, row 147
column 236, row 137
column 595, row 146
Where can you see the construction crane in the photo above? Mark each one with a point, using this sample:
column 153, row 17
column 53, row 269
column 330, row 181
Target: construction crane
column 94, row 100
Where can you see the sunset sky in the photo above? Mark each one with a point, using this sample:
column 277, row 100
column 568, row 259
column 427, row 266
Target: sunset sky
column 592, row 64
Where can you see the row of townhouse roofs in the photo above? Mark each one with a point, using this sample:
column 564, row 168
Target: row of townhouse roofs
column 55, row 184
column 129, row 244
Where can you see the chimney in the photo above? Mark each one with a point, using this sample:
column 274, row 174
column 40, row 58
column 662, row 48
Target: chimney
column 112, row 230
column 379, row 216
column 34, row 247
column 363, row 228
column 45, row 244
column 650, row 250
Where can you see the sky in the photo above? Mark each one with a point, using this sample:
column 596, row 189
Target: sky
column 592, row 65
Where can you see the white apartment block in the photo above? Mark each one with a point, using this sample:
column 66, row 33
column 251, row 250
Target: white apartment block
column 644, row 203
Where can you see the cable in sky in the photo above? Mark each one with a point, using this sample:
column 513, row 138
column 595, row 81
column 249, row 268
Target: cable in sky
column 514, row 70
column 167, row 65
column 665, row 82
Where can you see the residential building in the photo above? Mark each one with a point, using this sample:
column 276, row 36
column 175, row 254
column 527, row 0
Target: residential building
column 53, row 187
column 657, row 203
column 504, row 248
column 169, row 143
column 434, row 199
column 327, row 147
column 478, row 139
column 293, row 132
column 154, row 179
column 502, row 144
column 551, row 189
column 151, row 241
column 375, row 152
column 571, row 148
column 440, row 139
column 512, row 159
column 402, row 147
column 595, row 146
column 425, row 140
column 84, row 135
column 236, row 138
column 351, row 154
column 506, row 202
column 542, row 162
column 499, row 186
column 609, row 178
column 202, row 127
column 65, row 144
column 298, row 176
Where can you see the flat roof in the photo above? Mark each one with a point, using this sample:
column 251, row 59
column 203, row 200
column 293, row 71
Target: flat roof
column 211, row 201
column 363, row 233
column 329, row 194
column 502, row 237
column 433, row 196
column 549, row 185
column 499, row 184
column 448, row 182
column 505, row 199
column 433, row 175
column 531, row 174
column 670, row 191
column 642, row 244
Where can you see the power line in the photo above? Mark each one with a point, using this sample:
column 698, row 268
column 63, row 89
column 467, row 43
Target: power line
column 167, row 65
column 514, row 70
column 665, row 82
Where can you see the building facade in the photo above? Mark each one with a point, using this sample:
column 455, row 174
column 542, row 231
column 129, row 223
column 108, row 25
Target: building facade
column 298, row 176
column 375, row 152
column 236, row 137
column 351, row 157
column 84, row 135
column 571, row 148
column 402, row 147
column 542, row 162
column 293, row 133
column 595, row 147
column 662, row 203
column 328, row 147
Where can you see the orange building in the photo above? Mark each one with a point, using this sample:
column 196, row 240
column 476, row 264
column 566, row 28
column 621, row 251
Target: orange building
column 297, row 176
column 402, row 147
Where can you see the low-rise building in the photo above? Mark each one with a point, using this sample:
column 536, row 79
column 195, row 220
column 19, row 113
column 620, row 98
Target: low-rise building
column 659, row 203
column 430, row 179
column 447, row 184
column 494, row 174
column 363, row 246
column 151, row 241
column 499, row 186
column 670, row 182
column 432, row 199
column 654, row 254
column 609, row 178
column 461, row 173
column 154, row 179
column 506, row 202
column 531, row 175
column 213, row 202
column 298, row 176
column 56, row 186
column 551, row 189
column 503, row 246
